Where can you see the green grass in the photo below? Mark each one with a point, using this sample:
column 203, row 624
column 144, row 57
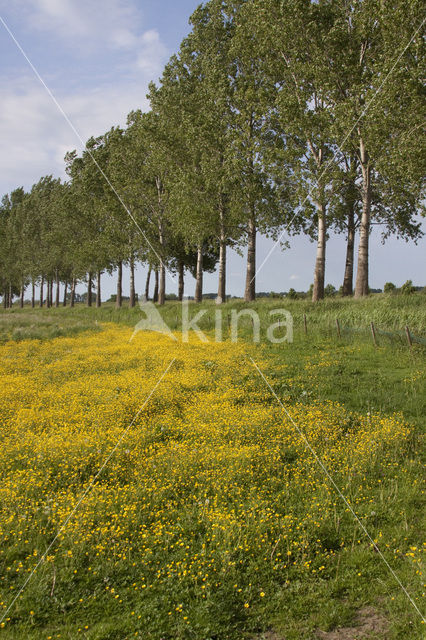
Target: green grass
column 389, row 378
column 389, row 313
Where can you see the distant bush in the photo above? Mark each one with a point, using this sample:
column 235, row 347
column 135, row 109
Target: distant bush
column 113, row 298
column 292, row 294
column 330, row 291
column 407, row 288
column 389, row 287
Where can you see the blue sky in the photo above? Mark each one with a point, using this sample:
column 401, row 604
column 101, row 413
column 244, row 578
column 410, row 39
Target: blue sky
column 97, row 57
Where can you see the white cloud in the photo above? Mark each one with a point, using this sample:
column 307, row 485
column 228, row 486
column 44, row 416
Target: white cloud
column 35, row 135
column 91, row 22
column 294, row 277
column 151, row 50
column 119, row 60
column 94, row 28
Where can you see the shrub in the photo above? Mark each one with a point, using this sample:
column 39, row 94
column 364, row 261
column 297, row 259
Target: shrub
column 389, row 287
column 407, row 288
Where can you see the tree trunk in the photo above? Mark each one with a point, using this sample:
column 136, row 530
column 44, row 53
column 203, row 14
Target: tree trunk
column 41, row 292
column 199, row 275
column 48, row 291
column 57, row 289
column 148, row 278
column 155, row 296
column 72, row 298
column 347, row 288
column 162, row 285
column 221, row 291
column 98, row 289
column 32, row 294
column 250, row 290
column 132, row 296
column 361, row 285
column 64, row 301
column 181, row 270
column 319, row 273
column 119, row 300
column 21, row 296
column 5, row 300
column 51, row 292
column 10, row 296
column 89, row 289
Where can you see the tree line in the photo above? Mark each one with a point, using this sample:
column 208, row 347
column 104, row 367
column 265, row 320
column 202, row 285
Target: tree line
column 279, row 117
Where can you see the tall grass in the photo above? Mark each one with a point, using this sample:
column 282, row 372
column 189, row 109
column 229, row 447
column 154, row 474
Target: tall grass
column 388, row 312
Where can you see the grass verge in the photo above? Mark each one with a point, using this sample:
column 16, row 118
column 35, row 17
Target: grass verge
column 212, row 521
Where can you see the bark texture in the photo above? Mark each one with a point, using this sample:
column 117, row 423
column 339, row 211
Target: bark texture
column 41, row 292
column 250, row 289
column 148, row 278
column 57, row 288
column 155, row 296
column 98, row 289
column 72, row 298
column 119, row 299
column 48, row 294
column 64, row 300
column 132, row 295
column 361, row 285
column 162, row 284
column 221, row 290
column 347, row 288
column 319, row 273
column 89, row 289
column 181, row 270
column 199, row 275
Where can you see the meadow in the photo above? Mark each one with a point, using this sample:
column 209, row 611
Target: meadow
column 389, row 312
column 212, row 518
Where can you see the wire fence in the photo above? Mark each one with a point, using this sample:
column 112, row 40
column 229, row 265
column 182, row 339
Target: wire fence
column 402, row 337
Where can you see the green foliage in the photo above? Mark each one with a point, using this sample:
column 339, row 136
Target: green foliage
column 248, row 132
column 389, row 287
column 407, row 288
column 292, row 294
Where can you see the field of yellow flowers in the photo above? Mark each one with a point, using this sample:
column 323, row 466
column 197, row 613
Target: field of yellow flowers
column 207, row 512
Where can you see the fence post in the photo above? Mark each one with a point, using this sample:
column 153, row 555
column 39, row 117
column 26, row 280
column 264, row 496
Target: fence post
column 373, row 333
column 407, row 331
column 338, row 328
column 305, row 324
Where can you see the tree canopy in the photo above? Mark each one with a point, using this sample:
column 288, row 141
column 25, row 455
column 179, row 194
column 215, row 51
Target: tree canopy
column 275, row 116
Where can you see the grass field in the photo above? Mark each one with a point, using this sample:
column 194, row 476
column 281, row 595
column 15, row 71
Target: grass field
column 212, row 519
column 388, row 312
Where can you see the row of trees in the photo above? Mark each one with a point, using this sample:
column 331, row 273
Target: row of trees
column 276, row 116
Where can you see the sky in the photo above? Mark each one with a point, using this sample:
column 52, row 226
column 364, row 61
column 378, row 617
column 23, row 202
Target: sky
column 97, row 58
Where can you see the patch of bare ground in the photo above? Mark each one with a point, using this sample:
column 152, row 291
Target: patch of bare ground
column 368, row 624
